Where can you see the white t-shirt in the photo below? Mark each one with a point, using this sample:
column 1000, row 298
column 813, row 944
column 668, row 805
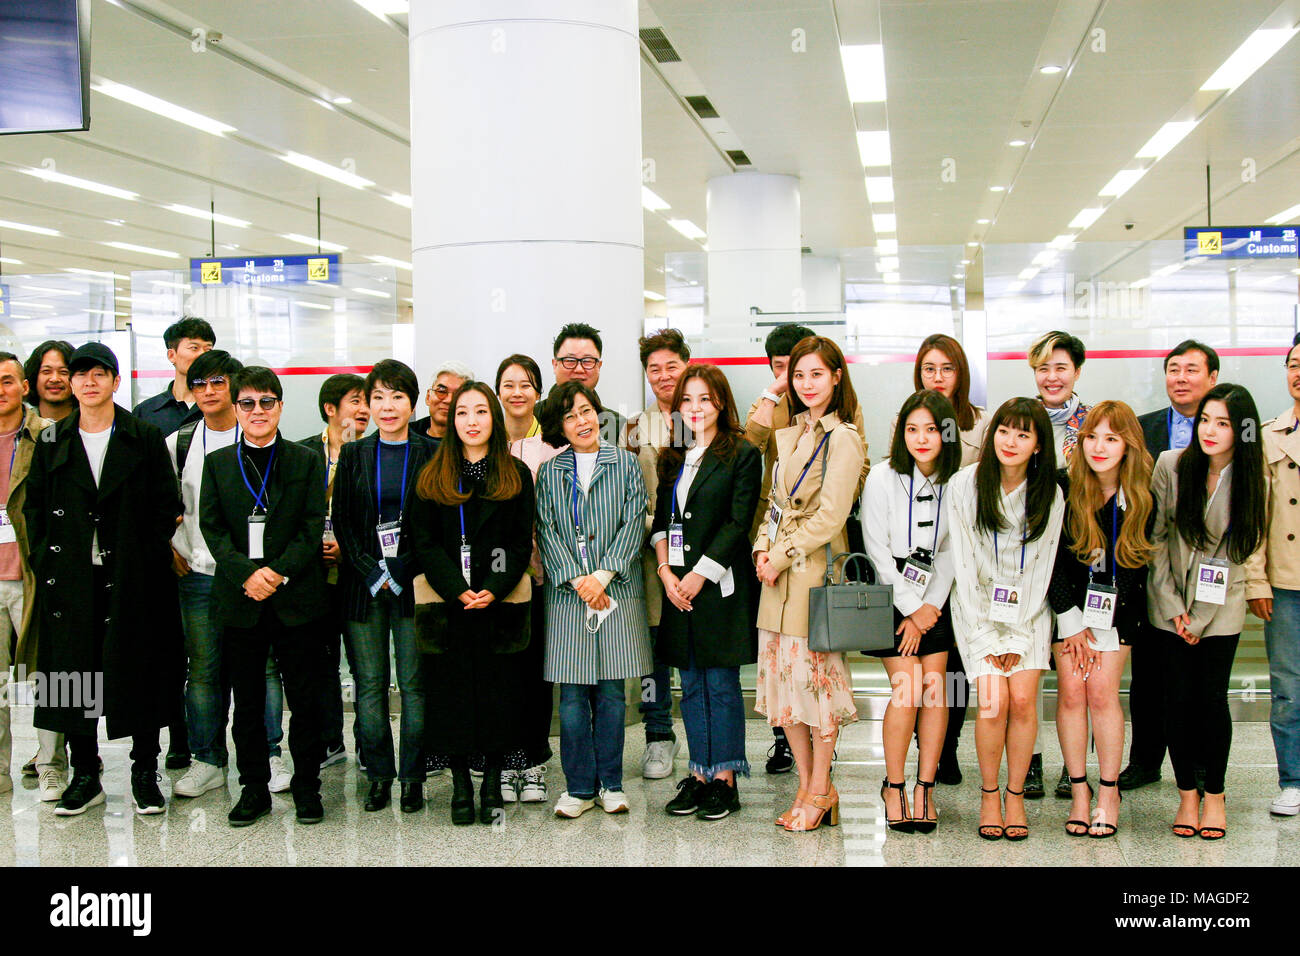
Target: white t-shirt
column 188, row 539
column 586, row 467
column 96, row 445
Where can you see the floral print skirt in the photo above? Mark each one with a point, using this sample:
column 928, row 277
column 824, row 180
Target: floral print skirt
column 799, row 686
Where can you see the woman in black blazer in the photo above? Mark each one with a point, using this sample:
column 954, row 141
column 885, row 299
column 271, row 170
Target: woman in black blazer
column 701, row 540
column 472, row 526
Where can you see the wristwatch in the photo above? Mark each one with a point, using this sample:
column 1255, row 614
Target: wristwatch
column 771, row 397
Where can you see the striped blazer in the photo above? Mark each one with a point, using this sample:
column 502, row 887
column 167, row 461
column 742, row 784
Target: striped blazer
column 612, row 511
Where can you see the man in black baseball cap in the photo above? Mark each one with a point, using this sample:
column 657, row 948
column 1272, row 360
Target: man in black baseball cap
column 90, row 355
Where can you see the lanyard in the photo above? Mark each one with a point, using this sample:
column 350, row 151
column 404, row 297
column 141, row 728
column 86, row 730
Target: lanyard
column 329, row 462
column 205, row 438
column 1112, row 544
column 379, row 486
column 805, row 467
column 938, row 505
column 577, row 525
column 461, row 490
column 257, row 496
column 13, row 456
column 997, row 558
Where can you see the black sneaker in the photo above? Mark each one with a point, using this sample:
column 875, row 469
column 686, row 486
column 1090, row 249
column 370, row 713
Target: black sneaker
column 719, row 800
column 83, row 793
column 1034, row 779
column 779, row 758
column 146, row 794
column 1063, row 789
column 178, row 760
column 688, row 796
column 1134, row 776
column 252, row 806
column 309, row 809
column 949, row 773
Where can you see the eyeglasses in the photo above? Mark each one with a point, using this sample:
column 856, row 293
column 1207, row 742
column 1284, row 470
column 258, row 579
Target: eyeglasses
column 934, row 370
column 267, row 402
column 216, row 381
column 570, row 362
column 442, row 391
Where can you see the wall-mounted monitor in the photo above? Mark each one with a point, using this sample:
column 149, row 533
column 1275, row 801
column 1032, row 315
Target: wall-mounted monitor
column 44, row 66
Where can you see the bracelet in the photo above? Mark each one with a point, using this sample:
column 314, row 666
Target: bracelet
column 770, row 396
column 661, row 566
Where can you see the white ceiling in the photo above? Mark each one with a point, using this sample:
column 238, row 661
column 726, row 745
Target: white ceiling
column 962, row 78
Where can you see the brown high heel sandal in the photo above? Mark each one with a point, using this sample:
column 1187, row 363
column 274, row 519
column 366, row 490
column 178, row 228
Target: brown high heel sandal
column 784, row 819
column 824, row 803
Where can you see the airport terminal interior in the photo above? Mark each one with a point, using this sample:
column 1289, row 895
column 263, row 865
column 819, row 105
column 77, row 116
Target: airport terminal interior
column 330, row 183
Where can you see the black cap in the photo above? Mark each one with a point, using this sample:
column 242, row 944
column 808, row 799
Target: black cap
column 90, row 355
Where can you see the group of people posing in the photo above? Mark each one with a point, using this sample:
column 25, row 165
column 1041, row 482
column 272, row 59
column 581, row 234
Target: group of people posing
column 187, row 553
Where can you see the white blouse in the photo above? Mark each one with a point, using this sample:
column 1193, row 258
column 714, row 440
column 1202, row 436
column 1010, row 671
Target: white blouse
column 976, row 568
column 886, row 532
column 705, row 566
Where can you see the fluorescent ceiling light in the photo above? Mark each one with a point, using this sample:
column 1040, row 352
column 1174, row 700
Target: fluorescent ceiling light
column 321, row 168
column 1045, row 258
column 890, row 277
column 325, row 103
column 400, row 199
column 997, row 189
column 313, row 242
column 973, row 242
column 1165, row 139
column 386, row 261
column 101, row 273
column 873, row 147
column 48, row 291
column 965, row 262
column 653, row 296
column 864, row 72
column 651, row 200
column 312, row 305
column 23, row 227
column 169, row 284
column 163, row 108
column 1050, row 69
column 1140, row 283
column 1257, row 50
column 37, row 305
column 880, row 189
column 1086, row 218
column 146, row 250
column 1026, row 274
column 1169, row 270
column 76, row 182
column 1063, row 241
column 886, row 247
column 10, row 262
column 341, row 100
column 1285, row 215
column 1017, row 143
column 1015, row 286
column 209, row 216
column 383, row 9
column 1121, row 182
column 372, row 292
column 887, row 264
column 885, row 222
column 983, row 222
column 687, row 228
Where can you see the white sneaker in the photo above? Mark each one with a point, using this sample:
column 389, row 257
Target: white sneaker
column 658, row 760
column 1286, row 803
column 510, row 786
column 52, row 785
column 199, row 779
column 572, row 807
column 281, row 777
column 614, row 801
column 533, row 785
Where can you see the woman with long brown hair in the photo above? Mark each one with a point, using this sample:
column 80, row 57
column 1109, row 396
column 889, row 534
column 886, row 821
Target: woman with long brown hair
column 709, row 478
column 1098, row 593
column 472, row 522
column 941, row 365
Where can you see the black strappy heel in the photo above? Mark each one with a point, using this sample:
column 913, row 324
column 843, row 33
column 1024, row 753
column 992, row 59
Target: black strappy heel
column 1022, row 829
column 903, row 824
column 995, row 831
column 923, row 823
column 1108, row 829
column 1079, row 823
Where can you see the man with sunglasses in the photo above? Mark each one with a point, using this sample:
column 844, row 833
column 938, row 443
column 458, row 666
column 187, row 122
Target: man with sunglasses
column 262, row 514
column 577, row 358
column 450, row 376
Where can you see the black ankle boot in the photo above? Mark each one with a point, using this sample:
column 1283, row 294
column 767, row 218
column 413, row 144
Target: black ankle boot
column 462, row 797
column 490, row 803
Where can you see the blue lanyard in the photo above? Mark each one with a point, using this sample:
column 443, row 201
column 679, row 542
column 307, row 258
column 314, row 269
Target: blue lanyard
column 379, row 486
column 257, row 497
column 997, row 558
column 329, row 462
column 573, row 481
column 675, row 484
column 1112, row 544
column 938, row 506
column 461, row 490
column 806, row 467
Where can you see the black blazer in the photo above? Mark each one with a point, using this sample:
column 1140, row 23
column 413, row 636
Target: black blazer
column 295, row 523
column 355, row 515
column 716, row 519
column 1155, row 430
column 1069, row 583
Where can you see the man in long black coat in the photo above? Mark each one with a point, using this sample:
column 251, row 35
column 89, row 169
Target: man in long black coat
column 102, row 504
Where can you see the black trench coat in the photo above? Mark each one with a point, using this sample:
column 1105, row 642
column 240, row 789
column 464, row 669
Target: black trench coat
column 134, row 509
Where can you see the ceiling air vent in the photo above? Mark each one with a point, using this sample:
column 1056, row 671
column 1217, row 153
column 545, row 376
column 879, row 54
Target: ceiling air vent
column 738, row 157
column 659, row 46
column 703, row 108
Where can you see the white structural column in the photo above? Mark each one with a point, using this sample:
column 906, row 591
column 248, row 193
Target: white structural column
column 526, row 182
column 754, row 242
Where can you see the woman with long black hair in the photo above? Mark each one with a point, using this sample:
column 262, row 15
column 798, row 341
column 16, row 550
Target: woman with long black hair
column 1210, row 536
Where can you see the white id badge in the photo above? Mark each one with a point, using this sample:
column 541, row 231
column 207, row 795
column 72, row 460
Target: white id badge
column 256, row 536
column 465, row 562
column 582, row 551
column 773, row 522
column 1212, row 581
column 676, row 545
column 390, row 537
column 7, row 533
column 1099, row 607
column 1005, row 605
column 329, row 530
column 917, row 574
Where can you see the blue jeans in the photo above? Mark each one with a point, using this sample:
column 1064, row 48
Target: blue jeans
column 1282, row 639
column 207, row 694
column 657, row 700
column 591, row 737
column 370, row 653
column 714, row 713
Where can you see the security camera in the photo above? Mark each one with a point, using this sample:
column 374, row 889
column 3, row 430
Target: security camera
column 1129, row 225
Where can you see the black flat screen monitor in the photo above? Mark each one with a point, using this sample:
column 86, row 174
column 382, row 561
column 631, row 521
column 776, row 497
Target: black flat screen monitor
column 44, row 66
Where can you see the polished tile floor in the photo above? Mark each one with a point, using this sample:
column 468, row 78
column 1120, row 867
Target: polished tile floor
column 195, row 832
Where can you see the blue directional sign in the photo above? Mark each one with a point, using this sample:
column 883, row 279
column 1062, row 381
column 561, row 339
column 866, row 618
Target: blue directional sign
column 1242, row 242
column 265, row 270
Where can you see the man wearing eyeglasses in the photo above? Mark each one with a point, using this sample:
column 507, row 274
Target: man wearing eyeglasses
column 262, row 514
column 449, row 377
column 577, row 350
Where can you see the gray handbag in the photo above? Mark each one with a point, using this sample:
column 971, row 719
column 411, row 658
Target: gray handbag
column 850, row 615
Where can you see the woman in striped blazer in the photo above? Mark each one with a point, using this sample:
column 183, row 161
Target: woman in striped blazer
column 591, row 503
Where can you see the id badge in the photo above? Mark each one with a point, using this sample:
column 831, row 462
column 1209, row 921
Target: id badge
column 7, row 533
column 1099, row 607
column 773, row 521
column 582, row 551
column 328, row 536
column 917, row 574
column 256, row 536
column 465, row 562
column 1212, row 581
column 676, row 545
column 1005, row 605
column 390, row 536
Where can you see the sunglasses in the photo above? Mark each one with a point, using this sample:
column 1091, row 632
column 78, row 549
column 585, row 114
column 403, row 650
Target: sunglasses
column 267, row 402
column 216, row 381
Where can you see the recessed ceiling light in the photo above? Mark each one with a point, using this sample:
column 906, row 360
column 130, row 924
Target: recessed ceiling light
column 1086, row 218
column 208, row 215
column 312, row 305
column 887, row 264
column 997, row 189
column 1257, row 50
column 1121, row 182
column 386, row 261
column 372, row 292
column 890, row 277
column 887, row 247
column 965, row 262
column 383, row 9
column 23, row 227
column 687, row 228
column 973, row 242
column 400, row 199
column 321, row 168
column 1165, row 139
column 312, row 242
column 864, row 72
column 653, row 296
column 47, row 290
column 10, row 262
column 1050, row 69
column 880, row 189
column 651, row 200
column 1015, row 286
column 1285, row 215
column 76, row 182
column 115, row 222
column 1027, row 273
column 983, row 222
column 1016, row 142
column 1063, row 241
column 97, row 273
column 342, row 100
column 885, row 222
column 1046, row 257
column 145, row 250
column 325, row 103
column 161, row 107
column 873, row 147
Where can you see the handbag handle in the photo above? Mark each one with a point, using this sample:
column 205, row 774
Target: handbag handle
column 829, row 578
column 853, row 556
